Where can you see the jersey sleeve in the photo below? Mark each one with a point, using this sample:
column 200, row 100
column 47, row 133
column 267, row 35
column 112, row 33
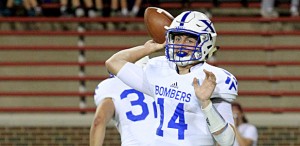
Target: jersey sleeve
column 227, row 85
column 135, row 77
column 224, row 108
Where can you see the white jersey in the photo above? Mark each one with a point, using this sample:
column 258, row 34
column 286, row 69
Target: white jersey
column 134, row 112
column 182, row 121
column 248, row 131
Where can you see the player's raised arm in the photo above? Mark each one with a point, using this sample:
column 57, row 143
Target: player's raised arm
column 118, row 60
column 222, row 131
column 155, row 20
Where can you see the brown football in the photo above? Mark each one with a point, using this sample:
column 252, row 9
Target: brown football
column 155, row 20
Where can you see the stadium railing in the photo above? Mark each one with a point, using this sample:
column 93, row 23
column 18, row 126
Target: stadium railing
column 87, row 94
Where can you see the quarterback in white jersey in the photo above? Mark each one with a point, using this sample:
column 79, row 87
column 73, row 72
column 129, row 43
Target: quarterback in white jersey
column 193, row 98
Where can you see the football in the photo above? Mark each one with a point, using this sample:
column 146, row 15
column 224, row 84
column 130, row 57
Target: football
column 155, row 20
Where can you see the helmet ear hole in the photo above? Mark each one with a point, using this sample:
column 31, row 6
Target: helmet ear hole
column 208, row 47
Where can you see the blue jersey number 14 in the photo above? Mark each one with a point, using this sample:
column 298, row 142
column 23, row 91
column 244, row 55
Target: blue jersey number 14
column 176, row 122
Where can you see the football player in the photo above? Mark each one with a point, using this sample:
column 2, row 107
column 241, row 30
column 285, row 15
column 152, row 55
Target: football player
column 193, row 97
column 132, row 111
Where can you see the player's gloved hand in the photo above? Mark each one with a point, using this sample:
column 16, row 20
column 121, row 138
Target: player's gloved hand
column 205, row 91
column 153, row 46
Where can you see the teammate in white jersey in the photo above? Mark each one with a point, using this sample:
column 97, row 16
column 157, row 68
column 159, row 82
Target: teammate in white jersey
column 133, row 113
column 193, row 98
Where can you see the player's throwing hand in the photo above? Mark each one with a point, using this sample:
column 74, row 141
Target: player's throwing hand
column 205, row 91
column 152, row 45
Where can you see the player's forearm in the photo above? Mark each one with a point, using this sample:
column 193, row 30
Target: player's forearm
column 103, row 115
column 97, row 136
column 221, row 129
column 98, row 128
column 226, row 137
column 118, row 60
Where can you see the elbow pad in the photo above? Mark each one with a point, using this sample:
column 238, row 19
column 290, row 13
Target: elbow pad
column 227, row 137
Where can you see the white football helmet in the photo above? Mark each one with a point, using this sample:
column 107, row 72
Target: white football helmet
column 195, row 24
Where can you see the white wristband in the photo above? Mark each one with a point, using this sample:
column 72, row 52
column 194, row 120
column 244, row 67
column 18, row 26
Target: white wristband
column 214, row 120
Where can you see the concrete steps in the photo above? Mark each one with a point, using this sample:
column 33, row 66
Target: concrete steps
column 222, row 55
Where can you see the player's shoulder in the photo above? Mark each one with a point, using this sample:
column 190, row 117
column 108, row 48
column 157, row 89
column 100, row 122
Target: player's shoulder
column 160, row 62
column 159, row 66
column 220, row 73
column 157, row 60
column 108, row 88
column 108, row 83
column 227, row 85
